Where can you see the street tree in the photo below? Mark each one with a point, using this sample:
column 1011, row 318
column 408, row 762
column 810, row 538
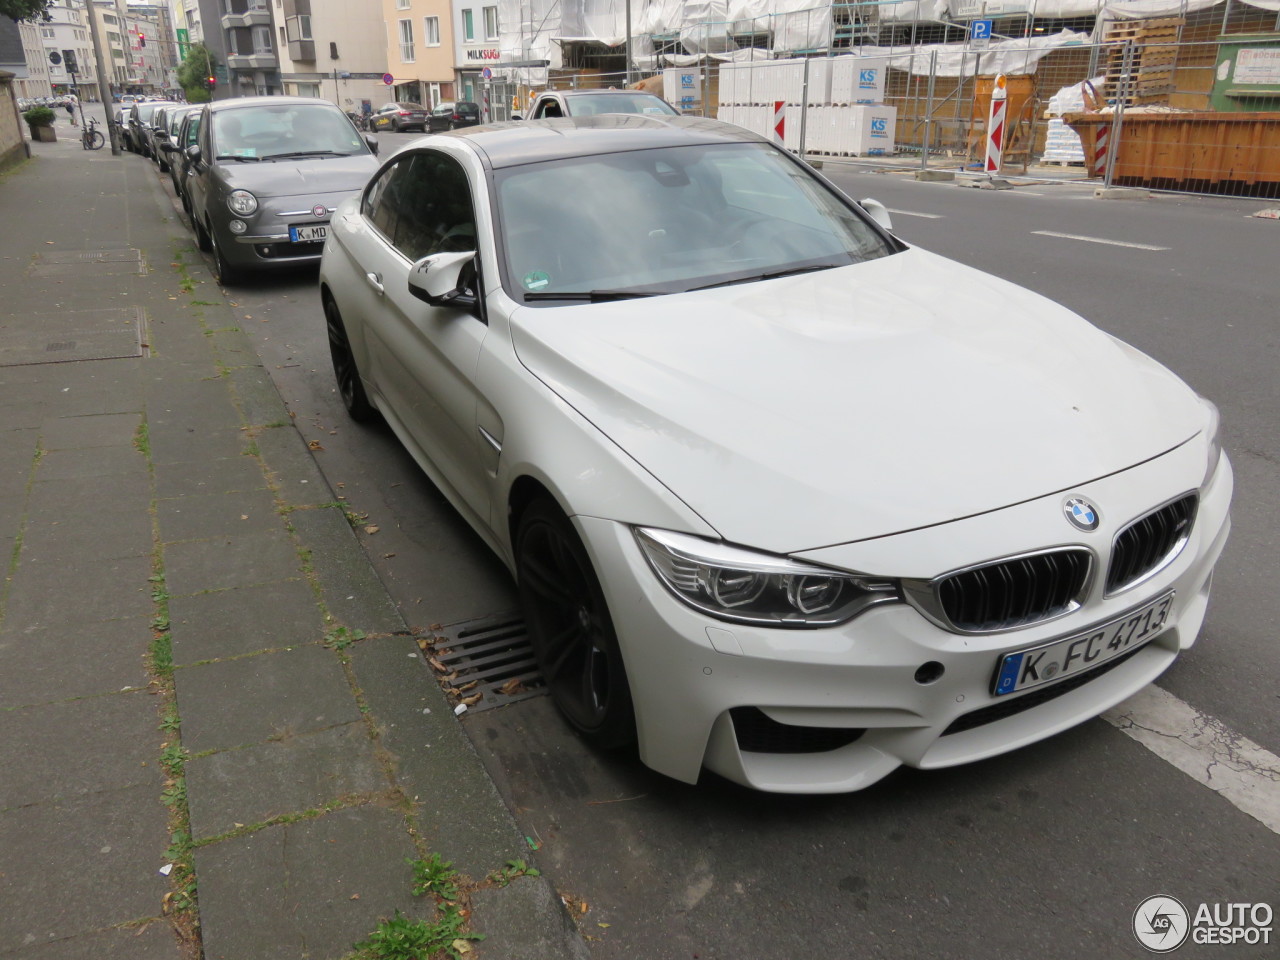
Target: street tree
column 25, row 9
column 194, row 72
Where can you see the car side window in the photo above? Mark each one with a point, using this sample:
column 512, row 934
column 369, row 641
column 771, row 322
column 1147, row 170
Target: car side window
column 379, row 204
column 550, row 108
column 436, row 214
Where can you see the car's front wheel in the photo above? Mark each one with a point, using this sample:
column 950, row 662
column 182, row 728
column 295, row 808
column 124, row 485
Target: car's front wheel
column 227, row 273
column 570, row 627
column 350, row 389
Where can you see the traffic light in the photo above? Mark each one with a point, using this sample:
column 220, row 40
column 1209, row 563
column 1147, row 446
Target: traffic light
column 69, row 61
column 142, row 41
column 210, row 83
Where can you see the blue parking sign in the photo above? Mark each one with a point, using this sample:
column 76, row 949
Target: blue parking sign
column 980, row 30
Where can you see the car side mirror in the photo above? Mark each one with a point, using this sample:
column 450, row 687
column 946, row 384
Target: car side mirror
column 878, row 212
column 445, row 280
column 516, row 116
column 193, row 153
column 372, row 143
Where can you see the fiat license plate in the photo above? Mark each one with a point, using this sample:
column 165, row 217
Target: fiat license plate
column 1084, row 651
column 309, row 234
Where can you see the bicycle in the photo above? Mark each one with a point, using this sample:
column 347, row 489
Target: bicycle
column 92, row 138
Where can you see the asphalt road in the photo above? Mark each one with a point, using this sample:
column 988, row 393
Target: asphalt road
column 1043, row 853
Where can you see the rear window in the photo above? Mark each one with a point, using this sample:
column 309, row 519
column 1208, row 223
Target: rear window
column 467, row 108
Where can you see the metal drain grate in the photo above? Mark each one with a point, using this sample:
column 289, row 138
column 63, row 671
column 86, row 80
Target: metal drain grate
column 103, row 334
column 78, row 264
column 487, row 662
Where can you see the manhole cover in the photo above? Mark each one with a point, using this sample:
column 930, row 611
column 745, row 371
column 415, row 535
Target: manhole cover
column 484, row 663
column 66, row 264
column 107, row 334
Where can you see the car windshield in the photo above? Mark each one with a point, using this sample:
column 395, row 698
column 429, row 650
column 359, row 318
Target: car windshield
column 287, row 130
column 143, row 111
column 586, row 104
column 669, row 220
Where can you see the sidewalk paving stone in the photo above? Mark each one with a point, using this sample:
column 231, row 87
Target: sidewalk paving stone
column 308, row 890
column 115, row 746
column 89, row 430
column 41, row 663
column 55, row 593
column 58, row 859
column 278, row 694
column 259, row 556
column 213, row 515
column 152, row 941
column 298, row 773
column 231, row 623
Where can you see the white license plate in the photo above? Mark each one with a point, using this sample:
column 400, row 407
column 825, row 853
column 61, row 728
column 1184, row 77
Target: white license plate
column 1075, row 654
column 309, row 234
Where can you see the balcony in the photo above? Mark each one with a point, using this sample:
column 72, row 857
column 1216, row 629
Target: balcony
column 260, row 17
column 302, row 50
column 252, row 61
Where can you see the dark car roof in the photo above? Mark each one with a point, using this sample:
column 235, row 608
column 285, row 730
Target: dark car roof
column 532, row 141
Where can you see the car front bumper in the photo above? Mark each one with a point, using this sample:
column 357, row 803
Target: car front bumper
column 688, row 671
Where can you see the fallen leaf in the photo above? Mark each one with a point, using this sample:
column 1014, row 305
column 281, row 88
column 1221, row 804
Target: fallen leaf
column 371, row 529
column 244, row 516
column 436, row 664
column 314, row 445
column 582, row 907
column 355, row 896
column 511, row 687
column 387, row 556
column 423, row 645
column 462, row 946
column 469, row 701
column 605, row 925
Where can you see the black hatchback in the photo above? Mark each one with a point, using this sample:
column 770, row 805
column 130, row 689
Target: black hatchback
column 451, row 115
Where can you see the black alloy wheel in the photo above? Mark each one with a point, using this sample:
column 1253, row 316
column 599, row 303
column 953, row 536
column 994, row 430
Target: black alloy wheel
column 570, row 627
column 350, row 389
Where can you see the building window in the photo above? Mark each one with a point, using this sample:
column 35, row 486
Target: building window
column 406, row 41
column 468, row 27
column 490, row 23
column 298, row 28
column 431, row 31
column 402, row 4
column 308, row 89
column 46, row 32
column 262, row 40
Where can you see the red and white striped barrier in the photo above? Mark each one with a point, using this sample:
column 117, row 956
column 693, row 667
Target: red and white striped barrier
column 779, row 121
column 996, row 125
column 1100, row 148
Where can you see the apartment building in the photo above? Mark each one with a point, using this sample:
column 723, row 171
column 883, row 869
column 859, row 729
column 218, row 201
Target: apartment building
column 419, row 52
column 333, row 49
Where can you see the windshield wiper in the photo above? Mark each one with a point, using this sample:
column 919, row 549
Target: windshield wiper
column 305, row 153
column 771, row 275
column 234, row 156
column 594, row 296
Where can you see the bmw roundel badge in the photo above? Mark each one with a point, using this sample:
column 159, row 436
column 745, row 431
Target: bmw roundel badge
column 1081, row 513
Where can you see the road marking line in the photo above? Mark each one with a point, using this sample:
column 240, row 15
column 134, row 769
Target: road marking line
column 1205, row 749
column 1112, row 243
column 912, row 213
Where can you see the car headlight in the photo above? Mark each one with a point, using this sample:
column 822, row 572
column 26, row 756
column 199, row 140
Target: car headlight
column 1214, row 433
column 242, row 202
column 745, row 586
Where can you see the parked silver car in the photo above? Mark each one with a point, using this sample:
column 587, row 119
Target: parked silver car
column 265, row 176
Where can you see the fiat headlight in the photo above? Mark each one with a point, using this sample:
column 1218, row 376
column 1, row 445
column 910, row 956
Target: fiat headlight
column 745, row 586
column 242, row 202
column 1214, row 434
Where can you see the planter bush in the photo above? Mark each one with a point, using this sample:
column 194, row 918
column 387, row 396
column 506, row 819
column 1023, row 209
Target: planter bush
column 40, row 121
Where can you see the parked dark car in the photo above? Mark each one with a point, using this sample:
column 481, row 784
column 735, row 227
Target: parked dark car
column 585, row 103
column 395, row 117
column 451, row 115
column 183, row 127
column 138, row 131
column 265, row 176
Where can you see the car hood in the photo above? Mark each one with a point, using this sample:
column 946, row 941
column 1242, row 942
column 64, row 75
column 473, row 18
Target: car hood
column 287, row 178
column 860, row 401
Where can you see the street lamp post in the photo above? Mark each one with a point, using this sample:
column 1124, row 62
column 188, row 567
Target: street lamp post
column 104, row 87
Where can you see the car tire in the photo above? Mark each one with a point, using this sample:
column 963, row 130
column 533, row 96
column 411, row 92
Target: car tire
column 345, row 372
column 570, row 628
column 202, row 235
column 227, row 274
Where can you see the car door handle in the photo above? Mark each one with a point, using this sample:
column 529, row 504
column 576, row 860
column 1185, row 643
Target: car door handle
column 375, row 281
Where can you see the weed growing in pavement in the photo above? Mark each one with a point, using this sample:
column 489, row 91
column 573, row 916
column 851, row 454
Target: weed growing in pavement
column 400, row 938
column 434, row 874
column 142, row 439
column 512, row 869
column 339, row 638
